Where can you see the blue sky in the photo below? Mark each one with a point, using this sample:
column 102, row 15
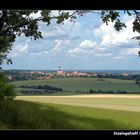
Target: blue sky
column 84, row 44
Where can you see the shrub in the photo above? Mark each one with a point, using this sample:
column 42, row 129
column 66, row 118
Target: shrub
column 7, row 92
column 92, row 91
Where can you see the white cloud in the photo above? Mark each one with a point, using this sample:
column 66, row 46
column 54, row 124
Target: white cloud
column 43, row 53
column 61, row 43
column 100, row 48
column 58, row 43
column 56, row 12
column 52, row 33
column 88, row 47
column 118, row 57
column 103, row 54
column 87, row 44
column 67, row 30
column 130, row 51
column 75, row 51
column 20, row 50
column 59, row 46
column 112, row 38
column 36, row 15
column 127, row 53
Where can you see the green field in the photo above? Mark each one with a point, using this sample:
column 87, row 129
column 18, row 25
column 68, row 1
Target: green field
column 96, row 112
column 84, row 84
column 73, row 112
column 89, row 111
column 125, row 102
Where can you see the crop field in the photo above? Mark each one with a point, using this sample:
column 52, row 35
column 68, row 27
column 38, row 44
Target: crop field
column 87, row 111
column 117, row 102
column 76, row 110
column 84, row 84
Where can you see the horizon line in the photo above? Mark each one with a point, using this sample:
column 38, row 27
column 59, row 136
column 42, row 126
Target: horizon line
column 77, row 69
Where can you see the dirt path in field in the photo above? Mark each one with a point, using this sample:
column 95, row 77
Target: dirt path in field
column 107, row 96
column 89, row 96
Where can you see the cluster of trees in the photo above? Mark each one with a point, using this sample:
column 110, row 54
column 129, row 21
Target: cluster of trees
column 108, row 91
column 117, row 76
column 7, row 92
column 36, row 92
column 137, row 80
column 40, row 89
column 102, row 76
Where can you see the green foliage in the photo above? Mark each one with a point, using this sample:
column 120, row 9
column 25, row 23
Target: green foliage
column 112, row 16
column 7, row 92
column 108, row 91
column 137, row 81
column 136, row 23
column 39, row 90
column 136, row 27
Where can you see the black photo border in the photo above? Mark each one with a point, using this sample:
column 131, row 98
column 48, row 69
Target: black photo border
column 69, row 5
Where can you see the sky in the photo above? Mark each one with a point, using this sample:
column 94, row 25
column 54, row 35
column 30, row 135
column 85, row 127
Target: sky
column 86, row 44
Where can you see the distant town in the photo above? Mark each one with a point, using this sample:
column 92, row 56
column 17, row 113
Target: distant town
column 13, row 75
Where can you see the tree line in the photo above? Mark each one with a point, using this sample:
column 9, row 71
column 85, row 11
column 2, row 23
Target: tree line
column 39, row 89
column 109, row 91
column 105, row 91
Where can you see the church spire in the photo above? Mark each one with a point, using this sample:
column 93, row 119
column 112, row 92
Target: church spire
column 59, row 68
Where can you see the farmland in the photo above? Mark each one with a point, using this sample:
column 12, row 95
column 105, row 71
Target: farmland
column 76, row 110
column 115, row 102
column 84, row 84
column 96, row 112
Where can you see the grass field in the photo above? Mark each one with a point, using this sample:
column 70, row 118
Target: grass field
column 73, row 112
column 84, row 84
column 96, row 112
column 89, row 111
column 117, row 102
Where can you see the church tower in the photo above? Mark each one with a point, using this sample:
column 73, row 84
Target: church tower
column 60, row 72
column 59, row 68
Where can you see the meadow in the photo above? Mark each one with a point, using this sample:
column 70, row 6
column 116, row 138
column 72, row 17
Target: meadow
column 84, row 84
column 96, row 112
column 83, row 111
column 115, row 102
